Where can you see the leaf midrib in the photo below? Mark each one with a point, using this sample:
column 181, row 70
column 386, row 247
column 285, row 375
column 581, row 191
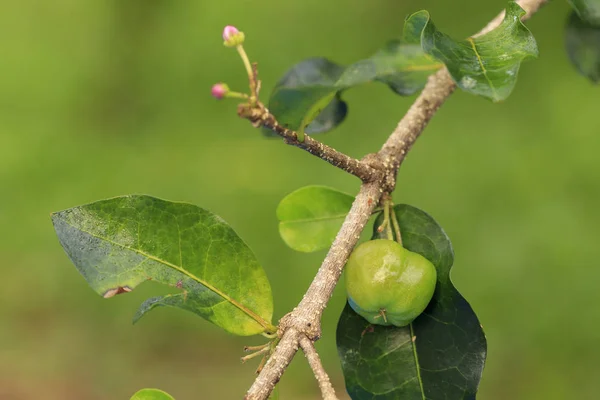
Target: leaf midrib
column 483, row 69
column 417, row 365
column 315, row 219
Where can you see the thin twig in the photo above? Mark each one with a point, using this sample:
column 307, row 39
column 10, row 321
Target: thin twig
column 304, row 321
column 314, row 361
column 396, row 226
column 260, row 116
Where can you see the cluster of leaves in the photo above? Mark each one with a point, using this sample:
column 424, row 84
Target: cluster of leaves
column 118, row 243
column 308, row 97
column 583, row 38
column 121, row 242
column 440, row 355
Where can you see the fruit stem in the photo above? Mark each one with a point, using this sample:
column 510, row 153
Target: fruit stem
column 382, row 226
column 386, row 219
column 396, row 226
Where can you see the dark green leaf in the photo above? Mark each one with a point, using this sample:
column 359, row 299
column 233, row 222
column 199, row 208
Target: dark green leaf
column 330, row 117
column 121, row 242
column 305, row 90
column 486, row 66
column 310, row 217
column 308, row 99
column 440, row 356
column 583, row 46
column 402, row 65
column 588, row 10
column 151, row 394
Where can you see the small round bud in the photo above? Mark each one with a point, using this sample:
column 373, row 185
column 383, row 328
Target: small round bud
column 232, row 36
column 219, row 90
column 229, row 31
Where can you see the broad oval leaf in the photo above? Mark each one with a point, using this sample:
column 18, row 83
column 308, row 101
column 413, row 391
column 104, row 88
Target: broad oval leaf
column 118, row 243
column 439, row 356
column 487, row 65
column 310, row 217
column 583, row 46
column 151, row 394
column 308, row 97
column 588, row 10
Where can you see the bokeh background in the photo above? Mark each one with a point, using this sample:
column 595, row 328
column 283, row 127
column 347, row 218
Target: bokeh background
column 104, row 98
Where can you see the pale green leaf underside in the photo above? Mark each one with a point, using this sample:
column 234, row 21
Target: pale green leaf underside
column 118, row 243
column 310, row 217
column 307, row 98
column 151, row 394
column 487, row 65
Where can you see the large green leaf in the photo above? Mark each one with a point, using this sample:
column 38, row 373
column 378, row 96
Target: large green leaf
column 588, row 10
column 487, row 65
column 583, row 46
column 307, row 98
column 310, row 217
column 121, row 242
column 440, row 356
column 151, row 394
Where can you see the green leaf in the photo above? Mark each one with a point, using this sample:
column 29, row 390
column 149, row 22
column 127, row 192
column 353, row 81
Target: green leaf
column 307, row 98
column 118, row 243
column 440, row 356
column 310, row 217
column 402, row 65
column 583, row 46
column 488, row 65
column 151, row 394
column 588, row 10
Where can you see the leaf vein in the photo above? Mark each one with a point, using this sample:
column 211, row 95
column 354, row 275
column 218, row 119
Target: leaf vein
column 261, row 321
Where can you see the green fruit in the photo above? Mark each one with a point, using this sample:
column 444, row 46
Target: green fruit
column 387, row 284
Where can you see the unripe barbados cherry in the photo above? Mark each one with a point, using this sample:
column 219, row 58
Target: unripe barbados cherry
column 387, row 284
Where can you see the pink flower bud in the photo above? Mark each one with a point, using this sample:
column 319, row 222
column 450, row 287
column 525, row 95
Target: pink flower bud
column 229, row 32
column 219, row 90
column 232, row 36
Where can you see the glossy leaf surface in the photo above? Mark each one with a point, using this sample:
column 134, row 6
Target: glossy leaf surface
column 588, row 10
column 118, row 243
column 308, row 97
column 439, row 356
column 487, row 65
column 583, row 46
column 310, row 217
column 151, row 394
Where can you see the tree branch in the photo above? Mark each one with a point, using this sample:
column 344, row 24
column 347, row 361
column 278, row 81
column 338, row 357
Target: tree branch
column 307, row 316
column 315, row 363
column 303, row 323
column 260, row 116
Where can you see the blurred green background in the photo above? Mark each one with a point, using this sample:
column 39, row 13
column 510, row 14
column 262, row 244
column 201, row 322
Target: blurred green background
column 103, row 98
